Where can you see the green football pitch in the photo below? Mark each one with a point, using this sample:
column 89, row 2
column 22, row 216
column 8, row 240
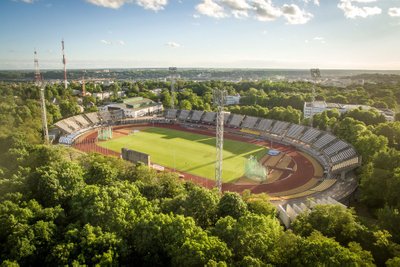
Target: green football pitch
column 188, row 152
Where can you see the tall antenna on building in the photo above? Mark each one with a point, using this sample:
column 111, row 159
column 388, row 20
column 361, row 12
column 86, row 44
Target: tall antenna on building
column 39, row 83
column 65, row 65
column 219, row 97
column 173, row 76
column 315, row 75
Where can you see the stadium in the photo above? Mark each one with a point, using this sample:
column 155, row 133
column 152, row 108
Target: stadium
column 304, row 166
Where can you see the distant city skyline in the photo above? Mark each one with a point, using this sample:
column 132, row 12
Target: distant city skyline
column 293, row 34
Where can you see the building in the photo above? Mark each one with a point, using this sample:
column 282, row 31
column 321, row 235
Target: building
column 312, row 108
column 232, row 99
column 133, row 107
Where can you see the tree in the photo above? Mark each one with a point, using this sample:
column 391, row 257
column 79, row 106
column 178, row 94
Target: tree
column 389, row 219
column 56, row 183
column 27, row 230
column 381, row 175
column 318, row 250
column 185, row 104
column 112, row 207
column 390, row 130
column 201, row 204
column 393, row 262
column 259, row 203
column 87, row 246
column 160, row 239
column 231, row 204
column 331, row 220
column 250, row 235
column 69, row 108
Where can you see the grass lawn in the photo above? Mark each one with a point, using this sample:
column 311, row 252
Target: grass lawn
column 188, row 152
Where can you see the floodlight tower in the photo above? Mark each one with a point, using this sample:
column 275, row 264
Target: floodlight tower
column 173, row 76
column 65, row 64
column 219, row 97
column 39, row 83
column 83, row 84
column 315, row 75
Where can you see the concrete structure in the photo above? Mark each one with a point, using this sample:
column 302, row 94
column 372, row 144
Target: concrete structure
column 232, row 99
column 133, row 107
column 312, row 108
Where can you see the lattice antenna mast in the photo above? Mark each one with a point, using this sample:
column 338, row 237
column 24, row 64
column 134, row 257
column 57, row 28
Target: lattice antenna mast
column 173, row 76
column 64, row 60
column 39, row 83
column 315, row 75
column 219, row 101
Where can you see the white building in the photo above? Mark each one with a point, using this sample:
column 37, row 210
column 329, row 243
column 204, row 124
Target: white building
column 232, row 100
column 133, row 107
column 312, row 108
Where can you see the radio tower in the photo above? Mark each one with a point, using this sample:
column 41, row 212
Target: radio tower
column 173, row 76
column 39, row 83
column 219, row 101
column 65, row 64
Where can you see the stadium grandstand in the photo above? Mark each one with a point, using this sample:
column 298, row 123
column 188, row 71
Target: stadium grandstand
column 196, row 115
column 209, row 117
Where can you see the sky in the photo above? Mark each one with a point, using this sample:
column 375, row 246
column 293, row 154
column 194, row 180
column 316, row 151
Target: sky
column 294, row 34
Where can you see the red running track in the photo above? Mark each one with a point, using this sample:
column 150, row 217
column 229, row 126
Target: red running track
column 303, row 173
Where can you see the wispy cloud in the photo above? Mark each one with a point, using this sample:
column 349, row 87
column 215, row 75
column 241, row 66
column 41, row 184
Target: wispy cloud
column 295, row 15
column 115, row 4
column 315, row 2
column 262, row 10
column 211, row 9
column 108, row 42
column 154, row 5
column 173, row 44
column 352, row 11
column 105, row 42
column 394, row 12
column 25, row 1
column 319, row 39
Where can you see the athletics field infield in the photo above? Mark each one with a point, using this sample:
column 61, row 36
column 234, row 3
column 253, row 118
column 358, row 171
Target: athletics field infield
column 188, row 152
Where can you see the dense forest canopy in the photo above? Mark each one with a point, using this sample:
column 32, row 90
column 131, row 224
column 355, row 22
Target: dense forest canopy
column 61, row 207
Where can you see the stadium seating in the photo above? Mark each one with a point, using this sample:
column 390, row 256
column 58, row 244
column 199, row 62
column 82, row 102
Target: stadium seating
column 81, row 121
column 336, row 147
column 345, row 164
column 344, row 155
column 183, row 115
column 265, row 125
column 249, row 122
column 196, row 115
column 236, row 120
column 280, row 127
column 325, row 184
column 93, row 117
column 324, row 140
column 171, row 113
column 64, row 127
column 105, row 116
column 310, row 135
column 72, row 124
column 295, row 131
column 209, row 117
column 227, row 116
